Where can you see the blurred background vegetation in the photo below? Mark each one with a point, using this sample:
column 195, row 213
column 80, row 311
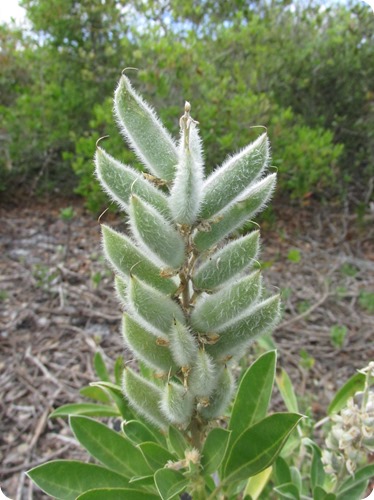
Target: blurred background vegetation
column 304, row 70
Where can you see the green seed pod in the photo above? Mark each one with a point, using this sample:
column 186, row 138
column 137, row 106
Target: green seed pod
column 186, row 192
column 146, row 347
column 120, row 287
column 227, row 262
column 153, row 307
column 144, row 132
column 235, row 339
column 154, row 233
column 177, row 404
column 221, row 396
column 126, row 259
column 214, row 311
column 236, row 174
column 144, row 396
column 183, row 344
column 121, row 181
column 255, row 200
column 202, row 378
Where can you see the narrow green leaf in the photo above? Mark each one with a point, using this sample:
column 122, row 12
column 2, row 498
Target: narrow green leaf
column 257, row 447
column 145, row 397
column 144, row 132
column 287, row 391
column 177, row 441
column 227, row 262
column 95, row 393
column 253, row 395
column 144, row 345
column 126, row 259
column 282, row 471
column 354, row 487
column 236, row 174
column 257, row 483
column 234, row 340
column 238, row 214
column 215, row 310
column 156, row 455
column 214, row 449
column 156, row 234
column 117, row 494
column 66, row 479
column 100, row 367
column 121, row 181
column 118, row 369
column 109, row 447
column 169, row 483
column 138, row 432
column 186, row 192
column 355, row 384
column 116, row 394
column 89, row 409
column 288, row 490
column 320, row 494
column 317, row 470
column 155, row 308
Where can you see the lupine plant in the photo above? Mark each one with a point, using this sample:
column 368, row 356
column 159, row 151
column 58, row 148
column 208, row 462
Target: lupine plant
column 193, row 301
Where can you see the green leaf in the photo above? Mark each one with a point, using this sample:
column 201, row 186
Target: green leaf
column 257, row 447
column 227, row 262
column 288, row 490
column 121, row 181
column 287, row 391
column 212, row 312
column 354, row 487
column 253, row 395
column 234, row 339
column 145, row 397
column 145, row 133
column 317, row 471
column 95, row 393
column 88, row 409
column 66, row 479
column 234, row 177
column 138, row 432
column 355, row 384
column 177, row 441
column 118, row 370
column 156, row 233
column 156, row 455
column 109, row 447
column 282, row 471
column 115, row 392
column 100, row 367
column 257, row 483
column 144, row 345
column 214, row 449
column 169, row 483
column 238, row 214
column 126, row 258
column 320, row 494
column 117, row 494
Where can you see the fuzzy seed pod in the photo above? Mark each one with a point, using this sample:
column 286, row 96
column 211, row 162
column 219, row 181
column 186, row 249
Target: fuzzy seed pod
column 177, row 404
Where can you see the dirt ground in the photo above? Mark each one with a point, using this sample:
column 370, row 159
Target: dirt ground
column 57, row 308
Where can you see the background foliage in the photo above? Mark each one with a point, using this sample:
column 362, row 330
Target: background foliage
column 302, row 69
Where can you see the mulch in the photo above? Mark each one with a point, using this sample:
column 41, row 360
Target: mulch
column 57, row 309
